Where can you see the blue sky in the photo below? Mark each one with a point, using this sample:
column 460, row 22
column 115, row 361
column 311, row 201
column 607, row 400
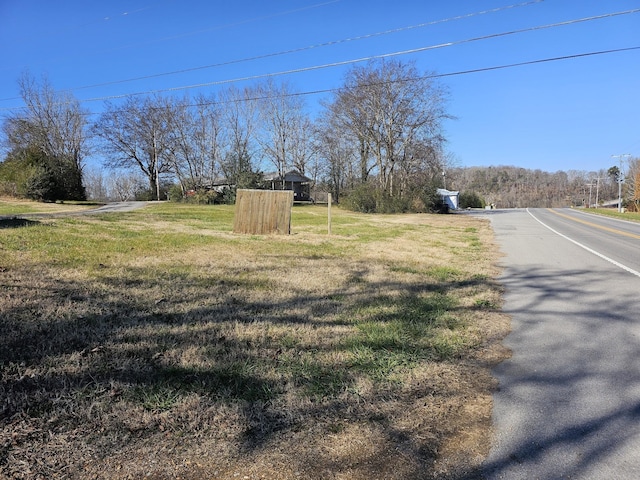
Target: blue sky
column 570, row 114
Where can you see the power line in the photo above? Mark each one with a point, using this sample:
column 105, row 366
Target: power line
column 306, row 48
column 533, row 62
column 218, row 27
column 423, row 77
column 365, row 59
column 388, row 55
column 348, row 62
column 460, row 72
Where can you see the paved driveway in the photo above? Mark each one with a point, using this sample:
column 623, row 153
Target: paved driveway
column 107, row 208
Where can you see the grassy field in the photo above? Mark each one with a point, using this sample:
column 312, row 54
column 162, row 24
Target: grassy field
column 11, row 206
column 158, row 343
column 613, row 212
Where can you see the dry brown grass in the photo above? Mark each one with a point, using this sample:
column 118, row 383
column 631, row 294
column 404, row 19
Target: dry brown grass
column 149, row 346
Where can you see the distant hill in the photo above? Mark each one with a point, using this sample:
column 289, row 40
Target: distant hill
column 512, row 187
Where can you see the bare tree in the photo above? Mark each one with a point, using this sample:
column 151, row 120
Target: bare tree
column 96, row 184
column 136, row 136
column 284, row 126
column 303, row 146
column 51, row 130
column 347, row 117
column 338, row 155
column 239, row 119
column 194, row 141
column 393, row 113
column 125, row 184
column 509, row 186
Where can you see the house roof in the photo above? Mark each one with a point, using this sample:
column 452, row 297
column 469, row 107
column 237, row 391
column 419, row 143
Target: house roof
column 290, row 176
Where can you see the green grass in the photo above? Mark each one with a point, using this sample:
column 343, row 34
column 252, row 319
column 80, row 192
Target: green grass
column 9, row 207
column 118, row 323
column 12, row 209
column 399, row 332
column 613, row 212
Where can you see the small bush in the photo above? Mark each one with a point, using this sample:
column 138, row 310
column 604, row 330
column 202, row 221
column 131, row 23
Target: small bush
column 361, row 199
column 200, row 196
column 430, row 200
column 8, row 189
column 147, row 194
column 228, row 196
column 205, row 197
column 470, row 200
column 176, row 194
column 367, row 198
column 41, row 186
column 386, row 203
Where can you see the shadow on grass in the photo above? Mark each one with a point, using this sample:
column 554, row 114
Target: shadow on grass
column 16, row 222
column 127, row 342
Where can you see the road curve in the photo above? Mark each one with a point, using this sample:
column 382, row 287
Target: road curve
column 116, row 207
column 113, row 207
column 568, row 403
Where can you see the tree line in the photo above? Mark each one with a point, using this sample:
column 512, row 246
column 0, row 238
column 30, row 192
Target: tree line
column 516, row 187
column 46, row 145
column 376, row 143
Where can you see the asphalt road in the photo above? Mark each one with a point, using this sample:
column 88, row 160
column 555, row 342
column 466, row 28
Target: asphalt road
column 112, row 207
column 116, row 207
column 568, row 404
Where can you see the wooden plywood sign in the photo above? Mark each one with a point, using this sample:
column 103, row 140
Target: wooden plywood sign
column 263, row 212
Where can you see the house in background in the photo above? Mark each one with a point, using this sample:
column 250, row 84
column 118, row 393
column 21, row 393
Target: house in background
column 218, row 185
column 449, row 198
column 293, row 180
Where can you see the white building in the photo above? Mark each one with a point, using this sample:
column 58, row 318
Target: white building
column 449, row 198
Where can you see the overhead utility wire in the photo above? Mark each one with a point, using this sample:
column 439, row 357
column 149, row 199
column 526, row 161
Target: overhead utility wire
column 433, row 75
column 220, row 82
column 309, row 47
column 413, row 79
column 364, row 59
column 533, row 62
column 218, row 27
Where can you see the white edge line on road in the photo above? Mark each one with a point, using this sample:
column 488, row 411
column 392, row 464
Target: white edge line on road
column 590, row 250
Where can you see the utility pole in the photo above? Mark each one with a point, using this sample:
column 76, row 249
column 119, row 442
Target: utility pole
column 590, row 185
column 155, row 165
column 621, row 157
